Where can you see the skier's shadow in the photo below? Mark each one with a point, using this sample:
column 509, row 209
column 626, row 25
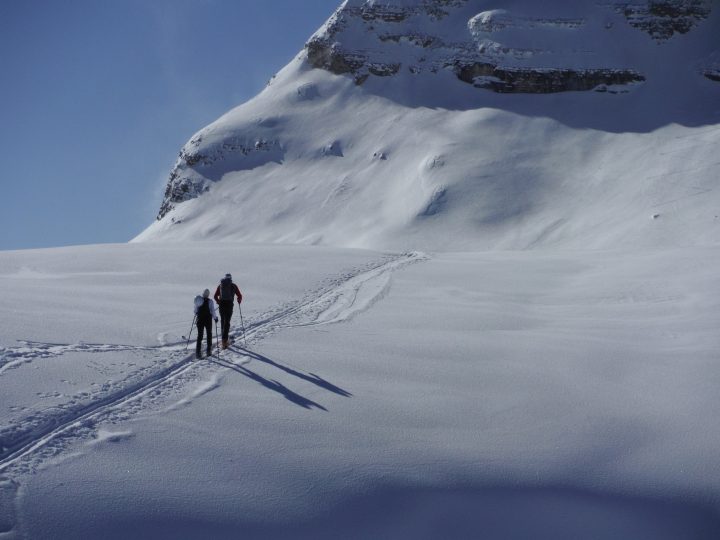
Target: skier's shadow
column 275, row 386
column 309, row 377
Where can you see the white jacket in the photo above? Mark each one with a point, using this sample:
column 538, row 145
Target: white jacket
column 211, row 305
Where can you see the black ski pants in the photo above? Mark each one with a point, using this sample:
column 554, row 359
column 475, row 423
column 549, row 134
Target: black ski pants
column 207, row 326
column 226, row 311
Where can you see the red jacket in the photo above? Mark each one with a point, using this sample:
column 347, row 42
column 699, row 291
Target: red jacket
column 235, row 290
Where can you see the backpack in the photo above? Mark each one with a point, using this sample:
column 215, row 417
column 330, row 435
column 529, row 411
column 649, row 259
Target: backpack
column 203, row 309
column 227, row 290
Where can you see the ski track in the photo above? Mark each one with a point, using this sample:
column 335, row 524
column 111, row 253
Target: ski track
column 14, row 357
column 46, row 433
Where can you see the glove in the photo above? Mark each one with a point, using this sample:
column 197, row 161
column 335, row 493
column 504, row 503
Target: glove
column 216, row 319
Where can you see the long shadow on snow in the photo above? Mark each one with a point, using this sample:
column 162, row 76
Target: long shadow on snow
column 431, row 512
column 501, row 513
column 309, row 377
column 275, row 386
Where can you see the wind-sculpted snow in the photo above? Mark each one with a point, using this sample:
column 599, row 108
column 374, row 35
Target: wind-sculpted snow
column 521, row 101
column 42, row 433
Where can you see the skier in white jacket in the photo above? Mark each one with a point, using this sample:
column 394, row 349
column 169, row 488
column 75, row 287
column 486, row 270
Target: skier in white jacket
column 205, row 313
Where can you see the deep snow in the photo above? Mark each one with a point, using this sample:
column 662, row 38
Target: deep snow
column 494, row 395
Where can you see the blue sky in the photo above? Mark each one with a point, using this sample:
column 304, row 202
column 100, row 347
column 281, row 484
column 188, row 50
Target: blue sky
column 97, row 98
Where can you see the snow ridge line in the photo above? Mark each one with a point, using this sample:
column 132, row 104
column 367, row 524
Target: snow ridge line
column 334, row 303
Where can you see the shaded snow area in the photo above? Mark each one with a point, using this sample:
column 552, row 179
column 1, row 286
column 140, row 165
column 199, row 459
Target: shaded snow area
column 552, row 394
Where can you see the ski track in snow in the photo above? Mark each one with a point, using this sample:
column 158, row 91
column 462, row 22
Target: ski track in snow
column 14, row 357
column 46, row 433
column 337, row 301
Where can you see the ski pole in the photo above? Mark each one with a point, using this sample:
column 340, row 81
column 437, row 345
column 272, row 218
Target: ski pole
column 217, row 339
column 242, row 323
column 190, row 332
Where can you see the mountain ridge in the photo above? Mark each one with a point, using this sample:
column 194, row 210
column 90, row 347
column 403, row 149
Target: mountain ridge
column 363, row 155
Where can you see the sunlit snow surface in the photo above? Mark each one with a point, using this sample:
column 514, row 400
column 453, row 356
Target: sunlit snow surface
column 525, row 347
column 426, row 161
column 495, row 395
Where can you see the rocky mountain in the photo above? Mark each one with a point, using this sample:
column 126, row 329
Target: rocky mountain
column 470, row 123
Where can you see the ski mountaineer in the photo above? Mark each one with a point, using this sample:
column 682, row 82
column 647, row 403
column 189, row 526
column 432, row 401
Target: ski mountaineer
column 224, row 297
column 205, row 313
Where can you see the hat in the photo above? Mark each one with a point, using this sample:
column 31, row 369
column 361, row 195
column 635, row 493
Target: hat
column 228, row 275
column 206, row 293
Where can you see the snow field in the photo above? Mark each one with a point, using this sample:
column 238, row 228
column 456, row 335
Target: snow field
column 81, row 379
column 409, row 395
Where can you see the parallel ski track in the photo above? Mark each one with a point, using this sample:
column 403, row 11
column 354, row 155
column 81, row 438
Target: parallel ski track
column 77, row 418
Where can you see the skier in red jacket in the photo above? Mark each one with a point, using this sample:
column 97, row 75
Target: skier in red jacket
column 225, row 293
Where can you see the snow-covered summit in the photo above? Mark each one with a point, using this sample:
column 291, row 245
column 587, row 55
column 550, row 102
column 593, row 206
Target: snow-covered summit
column 454, row 124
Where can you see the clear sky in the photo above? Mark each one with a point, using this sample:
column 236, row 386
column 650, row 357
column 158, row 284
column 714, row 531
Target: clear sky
column 97, row 97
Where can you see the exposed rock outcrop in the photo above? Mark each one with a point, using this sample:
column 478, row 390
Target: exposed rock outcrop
column 543, row 81
column 662, row 19
column 179, row 189
column 324, row 54
column 392, row 41
column 712, row 74
column 199, row 165
column 482, row 53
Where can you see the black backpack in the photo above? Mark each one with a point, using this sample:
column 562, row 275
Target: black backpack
column 203, row 312
column 227, row 290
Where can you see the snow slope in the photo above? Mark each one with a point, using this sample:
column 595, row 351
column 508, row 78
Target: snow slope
column 549, row 394
column 420, row 159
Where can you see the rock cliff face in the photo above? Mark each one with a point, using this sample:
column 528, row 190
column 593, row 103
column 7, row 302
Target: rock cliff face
column 487, row 48
column 544, row 81
column 199, row 165
column 180, row 189
column 662, row 19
